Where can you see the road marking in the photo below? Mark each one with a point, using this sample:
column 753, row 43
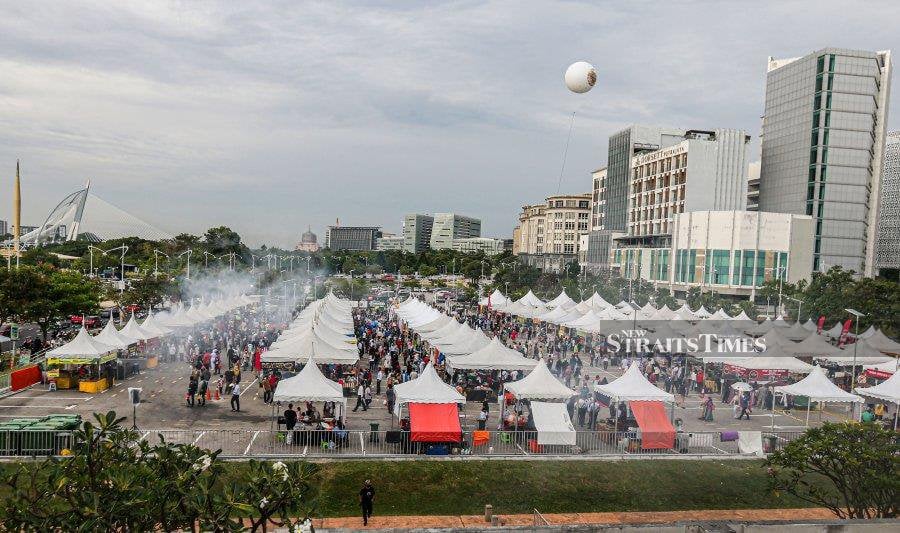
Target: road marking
column 247, row 450
column 198, row 438
column 31, row 406
column 248, row 386
column 68, row 407
column 144, row 436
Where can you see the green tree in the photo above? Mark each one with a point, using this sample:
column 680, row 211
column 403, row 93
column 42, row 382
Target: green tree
column 149, row 291
column 852, row 469
column 56, row 294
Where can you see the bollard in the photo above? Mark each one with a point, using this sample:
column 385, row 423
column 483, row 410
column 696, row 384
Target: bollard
column 495, row 521
column 488, row 512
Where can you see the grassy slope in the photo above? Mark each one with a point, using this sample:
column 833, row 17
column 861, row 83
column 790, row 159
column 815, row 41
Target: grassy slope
column 454, row 488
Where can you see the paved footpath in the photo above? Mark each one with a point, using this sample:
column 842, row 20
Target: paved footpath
column 611, row 518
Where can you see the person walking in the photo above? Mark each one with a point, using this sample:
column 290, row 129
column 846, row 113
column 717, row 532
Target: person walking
column 366, row 499
column 390, row 397
column 192, row 390
column 236, row 397
column 745, row 405
column 367, row 396
column 378, row 378
column 360, row 398
column 482, row 419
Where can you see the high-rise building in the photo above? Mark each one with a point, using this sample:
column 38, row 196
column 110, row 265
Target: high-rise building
column 549, row 233
column 449, row 226
column 352, row 237
column 417, row 232
column 609, row 213
column 4, row 227
column 887, row 244
column 823, row 137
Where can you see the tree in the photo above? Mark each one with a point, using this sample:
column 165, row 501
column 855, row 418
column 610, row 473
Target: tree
column 149, row 291
column 852, row 469
column 55, row 294
column 115, row 481
column 15, row 290
column 427, row 271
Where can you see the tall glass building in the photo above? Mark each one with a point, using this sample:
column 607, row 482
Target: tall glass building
column 823, row 137
column 887, row 244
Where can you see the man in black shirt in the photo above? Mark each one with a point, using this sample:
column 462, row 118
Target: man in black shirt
column 366, row 497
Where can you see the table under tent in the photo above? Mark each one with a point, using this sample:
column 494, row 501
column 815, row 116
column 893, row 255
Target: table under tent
column 432, row 414
column 543, row 395
column 127, row 362
column 83, row 362
column 886, row 391
column 311, row 385
column 493, row 357
column 634, row 399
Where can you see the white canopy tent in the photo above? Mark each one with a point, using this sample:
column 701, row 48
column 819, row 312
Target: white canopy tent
column 133, row 331
column 632, row 385
column 562, row 300
column 817, row 387
column 494, row 356
column 427, row 388
column 473, row 341
column 153, row 325
column 553, row 425
column 83, row 345
column 111, row 337
column 496, row 298
column 530, row 299
column 299, row 348
column 883, row 343
column 539, row 384
column 310, row 385
column 888, row 390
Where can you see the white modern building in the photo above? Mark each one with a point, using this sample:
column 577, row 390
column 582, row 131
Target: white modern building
column 390, row 242
column 731, row 252
column 887, row 244
column 450, row 226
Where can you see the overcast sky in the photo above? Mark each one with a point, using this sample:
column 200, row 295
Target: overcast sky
column 271, row 116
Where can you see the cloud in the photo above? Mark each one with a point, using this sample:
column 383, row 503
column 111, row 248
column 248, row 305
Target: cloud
column 268, row 117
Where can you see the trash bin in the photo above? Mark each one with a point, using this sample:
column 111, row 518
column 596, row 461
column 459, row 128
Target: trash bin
column 770, row 443
column 373, row 432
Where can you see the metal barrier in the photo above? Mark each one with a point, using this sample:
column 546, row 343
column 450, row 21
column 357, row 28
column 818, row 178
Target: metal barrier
column 236, row 443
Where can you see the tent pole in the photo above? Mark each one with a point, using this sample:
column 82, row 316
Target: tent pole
column 773, row 410
column 808, row 405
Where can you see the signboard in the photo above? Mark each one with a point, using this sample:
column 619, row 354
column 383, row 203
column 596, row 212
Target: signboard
column 14, row 332
column 755, row 374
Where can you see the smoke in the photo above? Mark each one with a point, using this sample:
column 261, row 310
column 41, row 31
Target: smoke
column 216, row 285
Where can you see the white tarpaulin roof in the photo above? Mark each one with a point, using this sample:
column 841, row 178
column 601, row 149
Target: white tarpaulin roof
column 816, row 386
column 133, row 331
column 883, row 343
column 474, row 340
column 791, row 364
column 82, row 345
column 632, row 385
column 809, row 325
column 153, row 325
column 300, row 347
column 531, row 299
column 562, row 299
column 496, row 298
column 887, row 366
column 813, row 346
column 308, row 385
column 427, row 388
column 494, row 356
column 539, row 384
column 888, row 390
column 865, row 355
column 111, row 336
column 554, row 427
column 796, row 332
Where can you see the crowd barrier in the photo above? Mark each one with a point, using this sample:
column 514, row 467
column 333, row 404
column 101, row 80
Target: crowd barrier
column 242, row 443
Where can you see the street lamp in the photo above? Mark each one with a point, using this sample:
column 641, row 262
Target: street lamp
column 91, row 249
column 156, row 254
column 188, row 252
column 206, row 256
column 124, row 249
column 857, row 314
column 799, row 306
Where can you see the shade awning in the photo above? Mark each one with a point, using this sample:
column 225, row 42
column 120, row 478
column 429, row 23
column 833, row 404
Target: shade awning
column 308, row 385
column 553, row 425
column 434, row 422
column 539, row 384
column 816, row 386
column 632, row 385
column 657, row 432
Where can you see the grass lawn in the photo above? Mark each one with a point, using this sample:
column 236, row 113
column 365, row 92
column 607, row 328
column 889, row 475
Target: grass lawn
column 464, row 487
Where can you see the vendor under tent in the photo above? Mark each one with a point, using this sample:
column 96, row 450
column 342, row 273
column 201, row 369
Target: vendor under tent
column 494, row 356
column 632, row 385
column 473, row 341
column 646, row 402
column 817, row 387
column 887, row 391
column 552, row 423
column 882, row 370
column 310, row 385
column 427, row 388
column 859, row 353
column 434, row 422
column 153, row 325
column 83, row 360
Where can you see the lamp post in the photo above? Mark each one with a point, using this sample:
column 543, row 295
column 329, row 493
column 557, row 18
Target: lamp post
column 124, row 249
column 206, row 256
column 91, row 249
column 799, row 306
column 856, row 314
column 188, row 252
column 156, row 254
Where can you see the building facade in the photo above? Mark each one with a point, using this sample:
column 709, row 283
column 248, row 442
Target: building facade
column 479, row 244
column 887, row 245
column 823, row 136
column 390, row 242
column 731, row 252
column 4, row 227
column 308, row 242
column 549, row 233
column 362, row 238
column 417, row 232
column 450, row 226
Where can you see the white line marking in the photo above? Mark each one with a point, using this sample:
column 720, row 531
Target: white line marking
column 144, row 436
column 248, row 386
column 246, row 451
column 198, row 438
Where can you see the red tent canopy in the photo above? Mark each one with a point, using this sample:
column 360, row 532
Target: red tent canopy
column 434, row 422
column 657, row 432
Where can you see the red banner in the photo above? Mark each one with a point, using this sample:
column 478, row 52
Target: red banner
column 25, row 377
column 755, row 374
column 844, row 331
column 820, row 324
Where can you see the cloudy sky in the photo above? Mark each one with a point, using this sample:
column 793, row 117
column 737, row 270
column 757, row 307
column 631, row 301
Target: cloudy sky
column 271, row 116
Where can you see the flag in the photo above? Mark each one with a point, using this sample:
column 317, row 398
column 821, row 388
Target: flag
column 820, row 324
column 844, row 331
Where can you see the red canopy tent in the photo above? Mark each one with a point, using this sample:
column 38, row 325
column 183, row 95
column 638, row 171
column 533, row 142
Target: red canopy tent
column 656, row 430
column 434, row 422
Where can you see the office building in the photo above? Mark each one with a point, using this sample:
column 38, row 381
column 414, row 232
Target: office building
column 352, row 237
column 479, row 244
column 731, row 252
column 753, row 187
column 609, row 211
column 549, row 233
column 4, row 227
column 823, row 136
column 450, row 226
column 417, row 232
column 390, row 242
column 887, row 244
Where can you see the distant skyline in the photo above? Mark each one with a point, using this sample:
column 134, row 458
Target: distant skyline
column 271, row 117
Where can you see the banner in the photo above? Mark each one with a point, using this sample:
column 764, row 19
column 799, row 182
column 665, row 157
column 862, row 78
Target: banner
column 820, row 324
column 844, row 331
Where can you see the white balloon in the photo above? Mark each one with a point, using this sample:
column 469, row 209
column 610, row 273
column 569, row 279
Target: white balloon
column 580, row 77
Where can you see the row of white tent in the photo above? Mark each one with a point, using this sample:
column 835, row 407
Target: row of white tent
column 323, row 330
column 84, row 346
column 464, row 347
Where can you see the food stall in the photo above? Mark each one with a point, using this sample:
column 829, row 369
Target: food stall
column 539, row 384
column 646, row 404
column 817, row 388
column 887, row 391
column 310, row 385
column 83, row 362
